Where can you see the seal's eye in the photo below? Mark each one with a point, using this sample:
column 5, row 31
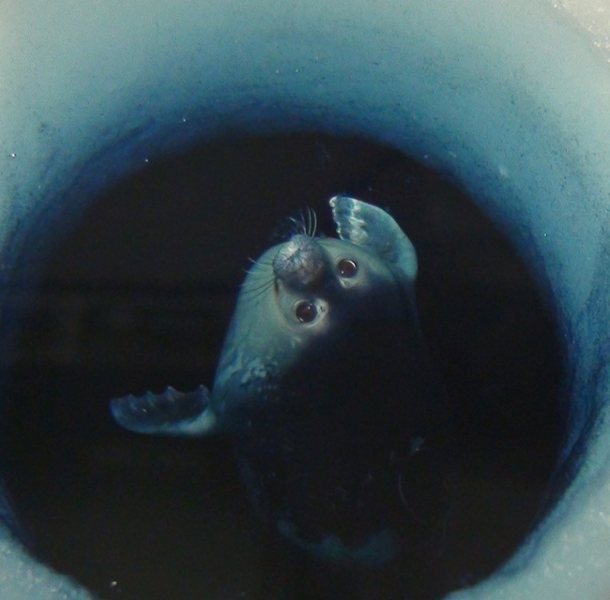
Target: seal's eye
column 347, row 268
column 306, row 311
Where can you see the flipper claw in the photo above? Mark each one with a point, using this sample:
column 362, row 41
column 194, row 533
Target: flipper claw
column 168, row 413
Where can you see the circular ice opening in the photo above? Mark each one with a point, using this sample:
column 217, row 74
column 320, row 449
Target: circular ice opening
column 138, row 296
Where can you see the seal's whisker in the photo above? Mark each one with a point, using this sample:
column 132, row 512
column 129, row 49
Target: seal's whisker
column 248, row 297
column 258, row 291
column 305, row 220
column 308, row 221
column 250, row 286
column 251, row 272
column 260, row 260
column 314, row 222
column 253, row 275
column 298, row 223
column 257, row 277
column 249, row 290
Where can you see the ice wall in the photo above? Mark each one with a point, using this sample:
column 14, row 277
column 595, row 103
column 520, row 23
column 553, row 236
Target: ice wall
column 512, row 98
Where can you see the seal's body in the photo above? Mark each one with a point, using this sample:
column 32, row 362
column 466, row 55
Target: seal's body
column 323, row 385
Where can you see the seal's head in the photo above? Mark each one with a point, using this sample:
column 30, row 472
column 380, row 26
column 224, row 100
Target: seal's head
column 309, row 290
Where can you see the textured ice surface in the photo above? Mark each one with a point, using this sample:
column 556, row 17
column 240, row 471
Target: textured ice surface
column 22, row 578
column 592, row 15
column 512, row 98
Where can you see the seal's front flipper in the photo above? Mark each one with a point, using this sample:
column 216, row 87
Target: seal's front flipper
column 169, row 413
column 373, row 228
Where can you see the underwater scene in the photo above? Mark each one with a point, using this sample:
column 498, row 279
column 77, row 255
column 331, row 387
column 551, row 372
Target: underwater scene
column 364, row 381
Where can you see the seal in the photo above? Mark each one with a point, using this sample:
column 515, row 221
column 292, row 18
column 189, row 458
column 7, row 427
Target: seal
column 323, row 385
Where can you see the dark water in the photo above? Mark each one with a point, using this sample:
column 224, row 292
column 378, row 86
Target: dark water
column 139, row 297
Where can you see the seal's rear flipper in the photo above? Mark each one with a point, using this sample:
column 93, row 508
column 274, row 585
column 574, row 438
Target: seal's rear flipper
column 169, row 413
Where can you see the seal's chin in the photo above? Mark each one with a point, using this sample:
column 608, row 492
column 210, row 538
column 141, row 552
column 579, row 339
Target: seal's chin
column 511, row 99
